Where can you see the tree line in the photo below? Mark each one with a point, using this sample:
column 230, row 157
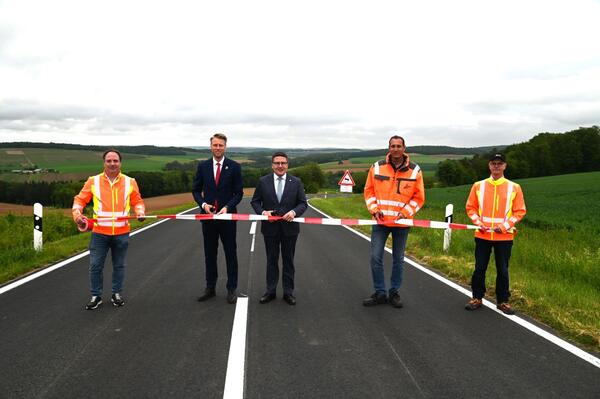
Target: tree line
column 134, row 149
column 546, row 154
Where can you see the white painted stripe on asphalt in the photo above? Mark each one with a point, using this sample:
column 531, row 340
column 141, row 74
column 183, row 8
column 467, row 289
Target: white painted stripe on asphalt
column 33, row 276
column 520, row 321
column 253, row 232
column 234, row 380
column 65, row 262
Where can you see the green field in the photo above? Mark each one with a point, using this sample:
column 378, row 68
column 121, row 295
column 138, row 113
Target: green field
column 428, row 163
column 555, row 266
column 69, row 161
column 79, row 164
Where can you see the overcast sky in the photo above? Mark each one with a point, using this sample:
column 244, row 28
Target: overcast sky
column 297, row 74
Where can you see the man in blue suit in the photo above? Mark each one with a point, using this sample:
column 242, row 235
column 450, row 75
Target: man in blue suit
column 218, row 189
column 280, row 194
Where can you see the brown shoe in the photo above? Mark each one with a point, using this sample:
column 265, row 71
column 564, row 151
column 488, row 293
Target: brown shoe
column 505, row 308
column 474, row 304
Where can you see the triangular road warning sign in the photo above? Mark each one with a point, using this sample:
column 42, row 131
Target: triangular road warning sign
column 346, row 179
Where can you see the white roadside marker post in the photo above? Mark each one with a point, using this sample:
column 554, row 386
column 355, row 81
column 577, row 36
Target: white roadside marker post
column 38, row 211
column 448, row 231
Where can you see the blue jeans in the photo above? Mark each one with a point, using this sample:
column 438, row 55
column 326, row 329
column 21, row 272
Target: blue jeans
column 99, row 246
column 379, row 235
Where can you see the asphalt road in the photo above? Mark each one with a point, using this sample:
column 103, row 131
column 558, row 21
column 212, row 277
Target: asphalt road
column 163, row 343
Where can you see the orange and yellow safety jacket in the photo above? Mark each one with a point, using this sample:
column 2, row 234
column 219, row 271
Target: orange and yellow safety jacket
column 397, row 193
column 496, row 203
column 110, row 200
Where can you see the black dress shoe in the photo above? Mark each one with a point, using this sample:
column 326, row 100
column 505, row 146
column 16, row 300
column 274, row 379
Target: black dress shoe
column 267, row 298
column 375, row 299
column 208, row 293
column 231, row 296
column 289, row 298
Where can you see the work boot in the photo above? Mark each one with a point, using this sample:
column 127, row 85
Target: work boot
column 505, row 308
column 395, row 299
column 375, row 299
column 474, row 304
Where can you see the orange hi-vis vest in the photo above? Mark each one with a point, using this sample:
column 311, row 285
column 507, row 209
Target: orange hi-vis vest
column 496, row 203
column 399, row 193
column 110, row 200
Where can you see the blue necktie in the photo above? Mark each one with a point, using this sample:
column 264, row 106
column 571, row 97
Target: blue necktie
column 279, row 188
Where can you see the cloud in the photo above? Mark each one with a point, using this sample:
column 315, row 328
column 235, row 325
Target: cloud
column 280, row 74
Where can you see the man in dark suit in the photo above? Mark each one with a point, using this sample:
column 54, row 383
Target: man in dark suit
column 280, row 194
column 218, row 189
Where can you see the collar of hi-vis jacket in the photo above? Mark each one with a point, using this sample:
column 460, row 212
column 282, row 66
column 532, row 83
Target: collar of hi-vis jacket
column 406, row 166
column 498, row 182
column 112, row 182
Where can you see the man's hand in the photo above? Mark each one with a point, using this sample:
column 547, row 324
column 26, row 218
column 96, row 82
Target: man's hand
column 288, row 217
column 378, row 216
column 222, row 211
column 82, row 223
column 209, row 209
column 140, row 216
column 269, row 213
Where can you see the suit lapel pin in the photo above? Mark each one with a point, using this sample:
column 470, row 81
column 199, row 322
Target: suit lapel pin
column 226, row 167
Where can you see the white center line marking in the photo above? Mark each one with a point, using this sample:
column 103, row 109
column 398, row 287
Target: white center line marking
column 253, row 232
column 234, row 380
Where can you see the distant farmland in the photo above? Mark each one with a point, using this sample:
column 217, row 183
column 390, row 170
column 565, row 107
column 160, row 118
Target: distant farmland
column 78, row 164
column 428, row 163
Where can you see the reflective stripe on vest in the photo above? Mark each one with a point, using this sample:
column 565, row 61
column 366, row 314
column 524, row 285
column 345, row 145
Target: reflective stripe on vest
column 509, row 194
column 481, row 195
column 100, row 212
column 416, row 170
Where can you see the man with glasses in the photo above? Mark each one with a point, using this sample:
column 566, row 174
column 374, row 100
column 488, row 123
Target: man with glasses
column 495, row 204
column 279, row 194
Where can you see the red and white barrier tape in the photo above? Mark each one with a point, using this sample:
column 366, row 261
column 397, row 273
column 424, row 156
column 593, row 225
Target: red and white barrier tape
column 429, row 224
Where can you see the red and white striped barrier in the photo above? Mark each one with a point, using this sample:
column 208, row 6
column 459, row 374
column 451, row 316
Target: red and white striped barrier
column 429, row 224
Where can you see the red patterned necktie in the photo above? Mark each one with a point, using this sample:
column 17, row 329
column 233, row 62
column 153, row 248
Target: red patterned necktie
column 217, row 176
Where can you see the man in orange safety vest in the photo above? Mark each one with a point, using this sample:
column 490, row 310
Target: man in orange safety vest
column 495, row 204
column 113, row 194
column 394, row 190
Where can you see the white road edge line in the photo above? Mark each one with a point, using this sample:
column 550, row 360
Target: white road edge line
column 253, row 232
column 234, row 380
column 520, row 321
column 65, row 262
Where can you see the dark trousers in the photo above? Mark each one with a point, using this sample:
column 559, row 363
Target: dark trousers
column 226, row 230
column 288, row 248
column 483, row 250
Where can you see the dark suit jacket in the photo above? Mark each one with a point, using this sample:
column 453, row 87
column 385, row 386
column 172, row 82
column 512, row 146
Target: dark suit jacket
column 293, row 198
column 230, row 191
